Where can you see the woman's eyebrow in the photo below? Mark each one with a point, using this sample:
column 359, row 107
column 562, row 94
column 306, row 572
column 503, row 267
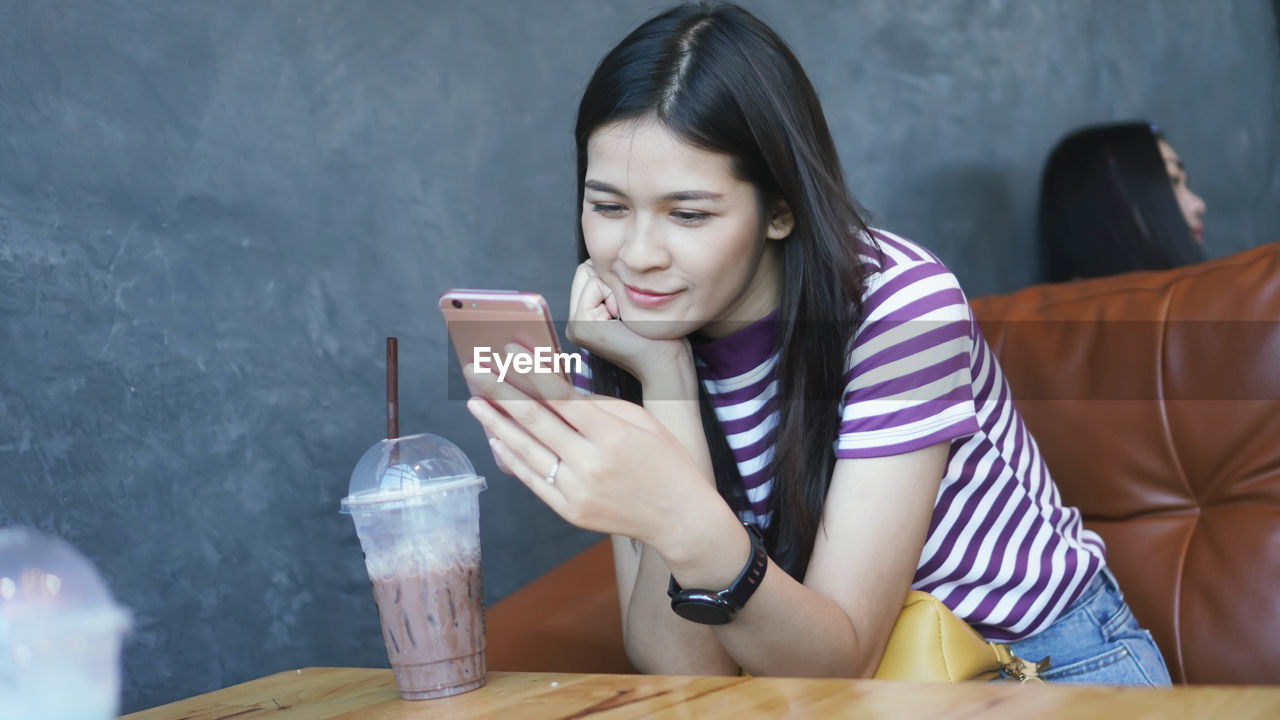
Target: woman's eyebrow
column 603, row 187
column 678, row 196
column 685, row 195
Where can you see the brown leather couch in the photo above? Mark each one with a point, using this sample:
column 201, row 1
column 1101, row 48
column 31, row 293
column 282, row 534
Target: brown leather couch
column 1155, row 399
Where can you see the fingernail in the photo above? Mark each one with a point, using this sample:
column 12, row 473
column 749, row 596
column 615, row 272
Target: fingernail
column 475, row 406
column 471, row 369
column 497, row 445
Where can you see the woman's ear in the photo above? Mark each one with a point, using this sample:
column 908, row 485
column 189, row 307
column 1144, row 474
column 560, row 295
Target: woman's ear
column 781, row 221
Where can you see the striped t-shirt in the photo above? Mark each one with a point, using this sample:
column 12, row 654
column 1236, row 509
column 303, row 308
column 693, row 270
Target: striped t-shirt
column 1001, row 552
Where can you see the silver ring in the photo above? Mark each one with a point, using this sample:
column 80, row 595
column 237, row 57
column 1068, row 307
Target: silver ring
column 551, row 476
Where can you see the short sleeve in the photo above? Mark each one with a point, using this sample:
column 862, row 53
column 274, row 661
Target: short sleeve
column 581, row 375
column 909, row 376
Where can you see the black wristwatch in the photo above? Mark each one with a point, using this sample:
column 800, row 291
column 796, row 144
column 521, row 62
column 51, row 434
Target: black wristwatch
column 710, row 607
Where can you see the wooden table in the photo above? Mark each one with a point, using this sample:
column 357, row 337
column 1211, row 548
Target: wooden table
column 364, row 694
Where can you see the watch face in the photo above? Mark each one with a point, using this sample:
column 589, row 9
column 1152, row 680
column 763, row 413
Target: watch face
column 704, row 609
column 717, row 608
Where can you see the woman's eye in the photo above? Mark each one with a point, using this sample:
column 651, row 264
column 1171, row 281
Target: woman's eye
column 689, row 218
column 606, row 209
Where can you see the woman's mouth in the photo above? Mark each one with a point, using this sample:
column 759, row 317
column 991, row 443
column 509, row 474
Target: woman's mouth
column 1197, row 233
column 649, row 298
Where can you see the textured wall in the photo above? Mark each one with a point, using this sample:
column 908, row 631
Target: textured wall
column 211, row 214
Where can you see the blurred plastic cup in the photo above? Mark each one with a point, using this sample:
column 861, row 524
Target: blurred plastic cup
column 415, row 503
column 60, row 632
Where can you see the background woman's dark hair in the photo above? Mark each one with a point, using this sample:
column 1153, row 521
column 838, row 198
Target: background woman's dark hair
column 1107, row 206
column 720, row 79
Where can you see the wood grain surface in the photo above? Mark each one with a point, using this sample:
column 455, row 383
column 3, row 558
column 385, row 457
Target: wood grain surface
column 370, row 694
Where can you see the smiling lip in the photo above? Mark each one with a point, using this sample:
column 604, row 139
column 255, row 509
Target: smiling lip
column 645, row 298
column 1198, row 232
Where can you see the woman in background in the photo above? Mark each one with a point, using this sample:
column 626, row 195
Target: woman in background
column 1114, row 198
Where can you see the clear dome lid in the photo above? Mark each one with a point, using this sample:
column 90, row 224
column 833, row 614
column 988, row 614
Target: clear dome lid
column 409, row 470
column 42, row 577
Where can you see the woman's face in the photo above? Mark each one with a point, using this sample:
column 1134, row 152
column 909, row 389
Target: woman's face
column 1190, row 203
column 676, row 236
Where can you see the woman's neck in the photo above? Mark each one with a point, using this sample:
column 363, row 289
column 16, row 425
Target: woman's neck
column 758, row 299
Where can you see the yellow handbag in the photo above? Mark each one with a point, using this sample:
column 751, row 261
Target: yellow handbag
column 931, row 643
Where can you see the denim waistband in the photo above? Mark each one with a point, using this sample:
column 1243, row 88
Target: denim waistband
column 1102, row 596
column 1106, row 578
column 1087, row 642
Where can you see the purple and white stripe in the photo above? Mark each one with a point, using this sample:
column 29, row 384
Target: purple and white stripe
column 1001, row 551
column 747, row 407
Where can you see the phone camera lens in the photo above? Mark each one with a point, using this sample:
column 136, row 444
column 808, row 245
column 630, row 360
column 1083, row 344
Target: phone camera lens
column 457, row 304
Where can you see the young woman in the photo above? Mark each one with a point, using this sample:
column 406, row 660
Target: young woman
column 1114, row 198
column 795, row 418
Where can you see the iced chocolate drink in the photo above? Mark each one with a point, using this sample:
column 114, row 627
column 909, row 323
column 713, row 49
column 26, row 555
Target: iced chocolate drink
column 433, row 626
column 415, row 503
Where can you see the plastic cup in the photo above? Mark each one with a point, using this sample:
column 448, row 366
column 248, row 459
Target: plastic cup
column 60, row 632
column 415, row 503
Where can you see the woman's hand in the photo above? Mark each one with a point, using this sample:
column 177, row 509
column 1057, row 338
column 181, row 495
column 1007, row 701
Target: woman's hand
column 620, row 471
column 595, row 323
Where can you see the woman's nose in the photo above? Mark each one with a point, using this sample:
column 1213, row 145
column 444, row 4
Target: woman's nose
column 645, row 249
column 1198, row 205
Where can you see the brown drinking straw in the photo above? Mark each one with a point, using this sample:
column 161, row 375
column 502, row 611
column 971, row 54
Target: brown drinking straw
column 393, row 391
column 393, row 408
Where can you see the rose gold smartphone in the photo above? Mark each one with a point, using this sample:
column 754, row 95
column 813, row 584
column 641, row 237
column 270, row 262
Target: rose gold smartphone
column 482, row 322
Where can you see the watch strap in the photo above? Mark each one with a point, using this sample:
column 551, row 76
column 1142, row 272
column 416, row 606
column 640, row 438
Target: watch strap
column 736, row 595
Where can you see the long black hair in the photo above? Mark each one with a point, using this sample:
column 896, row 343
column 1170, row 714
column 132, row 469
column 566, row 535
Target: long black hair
column 1107, row 206
column 721, row 80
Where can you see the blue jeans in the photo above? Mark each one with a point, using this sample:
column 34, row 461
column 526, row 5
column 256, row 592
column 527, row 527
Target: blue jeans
column 1097, row 640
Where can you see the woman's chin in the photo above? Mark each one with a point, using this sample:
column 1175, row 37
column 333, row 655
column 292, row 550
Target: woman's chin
column 660, row 329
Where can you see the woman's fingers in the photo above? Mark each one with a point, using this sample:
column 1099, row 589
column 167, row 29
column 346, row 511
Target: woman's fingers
column 473, row 390
column 608, row 301
column 580, row 411
column 581, row 277
column 569, row 423
column 601, row 413
column 593, row 314
column 502, row 465
column 591, row 415
column 590, row 297
column 545, row 380
column 526, row 419
column 520, row 445
column 542, row 485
